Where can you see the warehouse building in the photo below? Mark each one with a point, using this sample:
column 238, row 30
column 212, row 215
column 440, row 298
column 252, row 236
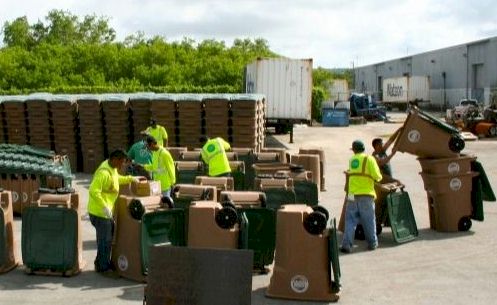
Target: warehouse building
column 464, row 71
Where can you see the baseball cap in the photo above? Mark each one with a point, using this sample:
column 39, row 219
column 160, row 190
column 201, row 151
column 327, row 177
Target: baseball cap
column 358, row 145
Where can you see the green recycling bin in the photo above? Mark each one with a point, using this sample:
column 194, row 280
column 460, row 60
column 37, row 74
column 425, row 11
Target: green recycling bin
column 258, row 233
column 164, row 227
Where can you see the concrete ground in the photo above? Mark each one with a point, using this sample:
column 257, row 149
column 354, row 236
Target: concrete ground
column 436, row 268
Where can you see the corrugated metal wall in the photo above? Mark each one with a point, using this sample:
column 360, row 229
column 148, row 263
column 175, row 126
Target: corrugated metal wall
column 457, row 72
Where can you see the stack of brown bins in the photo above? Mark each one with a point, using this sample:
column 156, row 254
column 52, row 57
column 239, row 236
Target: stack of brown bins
column 446, row 174
column 163, row 108
column 448, row 184
column 246, row 118
column 91, row 132
column 116, row 121
column 189, row 119
column 139, row 106
column 63, row 111
column 15, row 119
column 215, row 121
column 38, row 121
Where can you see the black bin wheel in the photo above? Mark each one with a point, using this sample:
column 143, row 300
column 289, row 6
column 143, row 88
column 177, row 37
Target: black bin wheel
column 456, row 144
column 228, row 204
column 226, row 218
column 315, row 223
column 359, row 233
column 320, row 208
column 464, row 224
column 167, row 201
column 136, row 209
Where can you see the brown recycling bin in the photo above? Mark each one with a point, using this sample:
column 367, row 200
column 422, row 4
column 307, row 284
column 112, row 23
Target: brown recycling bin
column 449, row 201
column 126, row 248
column 301, row 264
column 244, row 199
column 309, row 162
column 11, row 259
column 273, row 183
column 428, row 137
column 203, row 230
column 220, row 183
column 447, row 166
column 322, row 162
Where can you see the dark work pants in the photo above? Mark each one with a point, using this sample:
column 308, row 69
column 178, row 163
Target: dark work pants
column 105, row 229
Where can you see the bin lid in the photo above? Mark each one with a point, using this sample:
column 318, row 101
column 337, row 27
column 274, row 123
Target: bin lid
column 486, row 187
column 437, row 122
column 401, row 216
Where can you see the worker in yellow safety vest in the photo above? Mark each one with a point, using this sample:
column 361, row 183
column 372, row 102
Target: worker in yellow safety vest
column 157, row 131
column 214, row 155
column 162, row 166
column 103, row 192
column 362, row 174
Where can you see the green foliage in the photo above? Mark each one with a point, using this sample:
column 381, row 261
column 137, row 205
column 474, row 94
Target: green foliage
column 318, row 96
column 66, row 54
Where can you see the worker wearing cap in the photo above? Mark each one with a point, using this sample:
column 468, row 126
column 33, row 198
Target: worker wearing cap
column 363, row 172
column 139, row 155
column 103, row 192
column 214, row 155
column 158, row 132
column 162, row 166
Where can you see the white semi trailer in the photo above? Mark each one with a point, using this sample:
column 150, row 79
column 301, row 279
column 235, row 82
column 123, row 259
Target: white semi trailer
column 399, row 91
column 287, row 85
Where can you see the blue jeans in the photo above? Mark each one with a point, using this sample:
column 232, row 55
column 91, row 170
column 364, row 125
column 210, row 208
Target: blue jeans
column 166, row 193
column 105, row 230
column 361, row 210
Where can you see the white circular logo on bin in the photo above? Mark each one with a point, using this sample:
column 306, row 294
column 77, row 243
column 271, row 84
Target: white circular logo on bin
column 299, row 284
column 24, row 197
column 414, row 136
column 453, row 168
column 455, row 184
column 15, row 197
column 122, row 263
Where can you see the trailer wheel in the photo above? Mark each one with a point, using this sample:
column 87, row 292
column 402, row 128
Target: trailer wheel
column 456, row 144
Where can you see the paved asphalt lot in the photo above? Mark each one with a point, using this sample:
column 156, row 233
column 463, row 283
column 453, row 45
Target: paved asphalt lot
column 437, row 268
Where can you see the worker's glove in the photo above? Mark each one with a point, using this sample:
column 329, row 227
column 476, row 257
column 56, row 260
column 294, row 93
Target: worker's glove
column 108, row 212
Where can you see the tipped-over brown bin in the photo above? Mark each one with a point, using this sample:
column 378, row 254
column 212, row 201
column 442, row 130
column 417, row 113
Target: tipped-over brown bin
column 428, row 137
column 301, row 264
column 205, row 219
column 8, row 253
column 126, row 248
column 449, row 201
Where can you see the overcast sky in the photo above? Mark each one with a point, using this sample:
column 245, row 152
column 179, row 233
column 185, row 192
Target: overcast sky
column 334, row 33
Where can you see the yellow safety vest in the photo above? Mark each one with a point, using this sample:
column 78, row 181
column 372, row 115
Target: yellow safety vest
column 363, row 172
column 162, row 168
column 104, row 189
column 214, row 154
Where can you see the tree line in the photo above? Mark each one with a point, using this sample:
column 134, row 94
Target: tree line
column 68, row 54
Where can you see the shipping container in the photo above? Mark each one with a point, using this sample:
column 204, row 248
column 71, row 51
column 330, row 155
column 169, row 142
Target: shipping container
column 406, row 89
column 287, row 85
column 339, row 90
